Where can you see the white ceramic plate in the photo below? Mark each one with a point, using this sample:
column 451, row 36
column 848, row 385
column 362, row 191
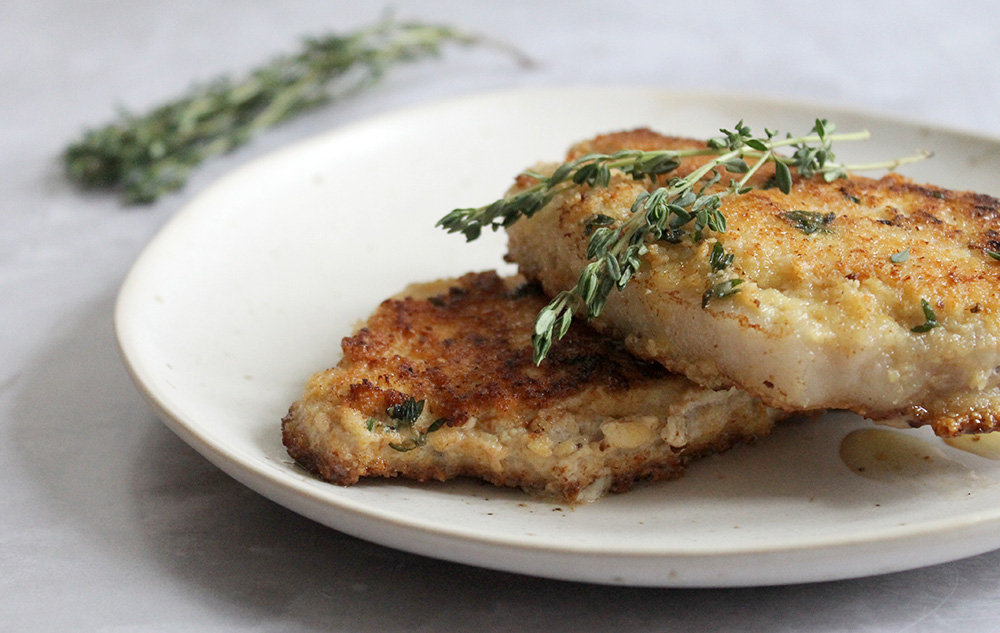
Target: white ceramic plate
column 250, row 289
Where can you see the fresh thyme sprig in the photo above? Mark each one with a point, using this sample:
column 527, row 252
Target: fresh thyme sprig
column 595, row 170
column 144, row 156
column 682, row 209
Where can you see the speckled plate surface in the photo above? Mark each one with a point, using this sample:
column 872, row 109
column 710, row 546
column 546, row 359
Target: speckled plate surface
column 251, row 287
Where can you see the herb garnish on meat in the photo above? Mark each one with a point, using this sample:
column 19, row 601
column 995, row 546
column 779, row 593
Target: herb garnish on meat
column 683, row 208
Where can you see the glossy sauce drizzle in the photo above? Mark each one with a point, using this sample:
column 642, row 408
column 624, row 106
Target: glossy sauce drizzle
column 893, row 456
column 985, row 445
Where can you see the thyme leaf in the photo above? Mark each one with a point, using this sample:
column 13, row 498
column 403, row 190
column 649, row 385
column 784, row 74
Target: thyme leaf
column 409, row 445
column 900, row 257
column 418, row 439
column 435, row 425
column 599, row 220
column 144, row 156
column 675, row 210
column 809, row 222
column 404, row 416
column 720, row 259
column 783, row 177
column 721, row 290
column 930, row 319
column 407, row 412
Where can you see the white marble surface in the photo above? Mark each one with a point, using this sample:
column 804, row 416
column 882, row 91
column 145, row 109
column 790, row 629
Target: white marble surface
column 108, row 522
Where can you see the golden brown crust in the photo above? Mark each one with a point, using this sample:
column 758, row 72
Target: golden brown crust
column 593, row 419
column 826, row 317
column 480, row 323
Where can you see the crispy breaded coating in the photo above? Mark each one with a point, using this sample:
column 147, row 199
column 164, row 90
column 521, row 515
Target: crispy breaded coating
column 444, row 386
column 839, row 284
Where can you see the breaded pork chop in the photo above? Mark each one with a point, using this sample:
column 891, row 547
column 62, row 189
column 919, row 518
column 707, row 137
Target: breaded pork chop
column 441, row 387
column 875, row 295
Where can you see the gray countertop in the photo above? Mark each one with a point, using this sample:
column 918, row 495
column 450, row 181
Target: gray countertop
column 109, row 522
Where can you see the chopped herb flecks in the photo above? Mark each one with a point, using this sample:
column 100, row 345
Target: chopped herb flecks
column 418, row 439
column 407, row 412
column 930, row 319
column 404, row 416
column 809, row 222
column 720, row 291
column 720, row 259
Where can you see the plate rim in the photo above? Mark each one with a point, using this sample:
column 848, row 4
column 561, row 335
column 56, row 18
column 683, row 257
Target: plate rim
column 251, row 471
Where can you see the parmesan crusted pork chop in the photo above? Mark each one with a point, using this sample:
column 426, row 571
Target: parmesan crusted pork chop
column 444, row 386
column 879, row 296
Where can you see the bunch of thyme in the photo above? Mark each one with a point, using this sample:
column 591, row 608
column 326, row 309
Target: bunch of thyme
column 144, row 156
column 682, row 209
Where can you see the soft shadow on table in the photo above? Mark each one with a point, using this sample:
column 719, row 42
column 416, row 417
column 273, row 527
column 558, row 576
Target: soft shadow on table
column 136, row 491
